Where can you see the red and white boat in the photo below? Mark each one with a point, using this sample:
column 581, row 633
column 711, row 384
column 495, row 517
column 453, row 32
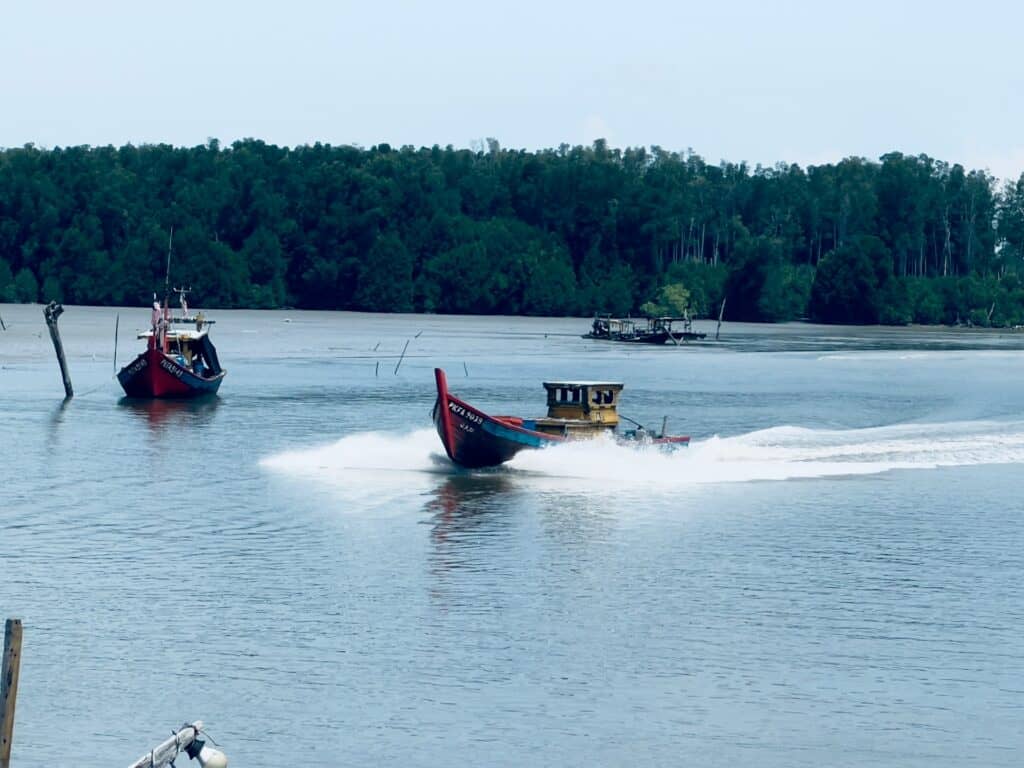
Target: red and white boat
column 179, row 359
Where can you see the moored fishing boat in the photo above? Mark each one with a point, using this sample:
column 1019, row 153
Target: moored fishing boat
column 654, row 330
column 576, row 410
column 179, row 359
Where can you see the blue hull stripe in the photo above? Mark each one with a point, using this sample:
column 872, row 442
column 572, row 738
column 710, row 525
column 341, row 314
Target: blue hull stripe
column 515, row 436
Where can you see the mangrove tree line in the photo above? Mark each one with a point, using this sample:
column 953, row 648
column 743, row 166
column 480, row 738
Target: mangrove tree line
column 573, row 230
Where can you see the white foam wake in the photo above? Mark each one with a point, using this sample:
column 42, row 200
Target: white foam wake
column 782, row 453
column 366, row 451
column 778, row 453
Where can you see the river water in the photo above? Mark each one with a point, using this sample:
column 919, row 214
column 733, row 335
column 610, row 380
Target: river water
column 829, row 575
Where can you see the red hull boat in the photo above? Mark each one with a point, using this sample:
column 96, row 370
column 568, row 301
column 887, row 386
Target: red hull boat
column 179, row 359
column 576, row 410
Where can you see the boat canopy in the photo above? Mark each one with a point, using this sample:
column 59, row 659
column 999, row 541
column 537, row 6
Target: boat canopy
column 582, row 384
column 178, row 334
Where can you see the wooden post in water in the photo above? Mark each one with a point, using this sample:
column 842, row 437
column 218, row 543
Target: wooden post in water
column 721, row 312
column 117, row 326
column 9, row 687
column 51, row 312
column 402, row 356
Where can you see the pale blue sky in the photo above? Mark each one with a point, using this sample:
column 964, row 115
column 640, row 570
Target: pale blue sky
column 798, row 81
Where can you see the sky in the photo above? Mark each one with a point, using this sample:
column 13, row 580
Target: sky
column 738, row 80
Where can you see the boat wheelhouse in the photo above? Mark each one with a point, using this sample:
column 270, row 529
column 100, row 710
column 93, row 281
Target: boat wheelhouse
column 579, row 408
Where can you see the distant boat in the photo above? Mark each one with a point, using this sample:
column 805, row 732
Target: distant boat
column 576, row 410
column 654, row 330
column 179, row 359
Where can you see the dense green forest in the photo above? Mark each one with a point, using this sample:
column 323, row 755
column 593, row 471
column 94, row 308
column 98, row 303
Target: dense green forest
column 573, row 230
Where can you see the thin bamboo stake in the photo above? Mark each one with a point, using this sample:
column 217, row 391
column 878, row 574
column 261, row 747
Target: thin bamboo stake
column 402, row 356
column 117, row 325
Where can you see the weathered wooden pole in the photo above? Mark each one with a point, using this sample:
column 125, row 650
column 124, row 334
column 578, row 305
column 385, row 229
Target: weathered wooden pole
column 721, row 311
column 182, row 741
column 9, row 687
column 117, row 326
column 402, row 356
column 51, row 312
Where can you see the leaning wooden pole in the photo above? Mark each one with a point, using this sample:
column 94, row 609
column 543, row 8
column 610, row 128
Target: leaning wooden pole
column 51, row 312
column 402, row 356
column 166, row 752
column 9, row 687
column 721, row 312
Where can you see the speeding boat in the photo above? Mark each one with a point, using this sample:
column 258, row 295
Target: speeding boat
column 179, row 359
column 577, row 410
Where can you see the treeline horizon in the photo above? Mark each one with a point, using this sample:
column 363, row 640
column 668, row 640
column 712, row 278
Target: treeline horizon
column 568, row 231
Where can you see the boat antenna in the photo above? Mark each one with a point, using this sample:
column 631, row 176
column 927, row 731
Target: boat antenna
column 167, row 274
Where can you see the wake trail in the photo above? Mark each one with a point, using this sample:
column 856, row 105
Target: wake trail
column 776, row 453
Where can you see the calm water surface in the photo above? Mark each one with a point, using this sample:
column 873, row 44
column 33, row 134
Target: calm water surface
column 830, row 575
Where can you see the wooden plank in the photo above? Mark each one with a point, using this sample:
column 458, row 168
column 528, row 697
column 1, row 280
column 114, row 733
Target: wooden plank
column 168, row 750
column 9, row 687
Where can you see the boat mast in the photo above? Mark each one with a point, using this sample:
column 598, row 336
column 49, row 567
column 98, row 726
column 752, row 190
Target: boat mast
column 167, row 292
column 167, row 274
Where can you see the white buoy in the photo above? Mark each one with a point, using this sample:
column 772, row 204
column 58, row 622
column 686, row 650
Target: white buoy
column 207, row 757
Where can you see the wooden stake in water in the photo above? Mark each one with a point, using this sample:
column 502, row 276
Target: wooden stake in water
column 117, row 325
column 721, row 312
column 9, row 687
column 51, row 312
column 402, row 356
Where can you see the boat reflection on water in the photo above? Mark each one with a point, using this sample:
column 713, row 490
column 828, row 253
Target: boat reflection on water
column 192, row 413
column 467, row 510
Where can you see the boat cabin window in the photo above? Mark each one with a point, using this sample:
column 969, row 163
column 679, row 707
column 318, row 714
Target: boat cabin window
column 566, row 395
column 603, row 397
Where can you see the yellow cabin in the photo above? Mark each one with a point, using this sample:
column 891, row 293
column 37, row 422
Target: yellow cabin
column 580, row 407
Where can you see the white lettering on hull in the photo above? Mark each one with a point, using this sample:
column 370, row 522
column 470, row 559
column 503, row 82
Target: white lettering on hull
column 168, row 366
column 137, row 366
column 458, row 410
